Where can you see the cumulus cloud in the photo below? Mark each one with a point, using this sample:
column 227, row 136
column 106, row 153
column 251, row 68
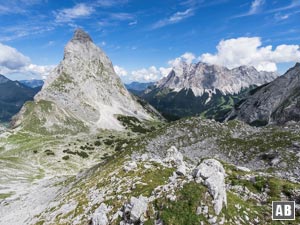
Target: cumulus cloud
column 42, row 71
column 165, row 71
column 249, row 51
column 78, row 11
column 14, row 62
column 186, row 57
column 175, row 18
column 149, row 74
column 120, row 71
column 11, row 58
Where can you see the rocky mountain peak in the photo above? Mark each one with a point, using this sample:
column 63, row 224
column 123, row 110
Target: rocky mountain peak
column 81, row 36
column 85, row 87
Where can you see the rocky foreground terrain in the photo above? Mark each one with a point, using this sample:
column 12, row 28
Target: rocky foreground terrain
column 192, row 171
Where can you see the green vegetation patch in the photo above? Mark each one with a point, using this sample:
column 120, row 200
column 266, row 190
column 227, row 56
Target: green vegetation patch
column 133, row 124
column 183, row 210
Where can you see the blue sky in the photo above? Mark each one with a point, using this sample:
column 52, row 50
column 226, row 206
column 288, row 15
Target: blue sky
column 144, row 39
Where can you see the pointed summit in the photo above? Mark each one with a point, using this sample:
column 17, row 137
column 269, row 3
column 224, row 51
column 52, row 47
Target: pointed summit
column 83, row 91
column 81, row 36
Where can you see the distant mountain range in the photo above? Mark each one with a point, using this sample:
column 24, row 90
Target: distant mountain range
column 203, row 89
column 275, row 102
column 32, row 83
column 13, row 94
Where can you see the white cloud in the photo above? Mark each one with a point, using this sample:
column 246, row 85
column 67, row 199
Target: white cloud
column 11, row 58
column 120, row 71
column 186, row 57
column 150, row 74
column 256, row 6
column 78, row 11
column 279, row 16
column 133, row 23
column 165, row 71
column 175, row 18
column 14, row 62
column 293, row 4
column 249, row 51
column 42, row 71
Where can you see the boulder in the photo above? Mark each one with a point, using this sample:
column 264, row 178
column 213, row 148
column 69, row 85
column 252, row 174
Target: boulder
column 181, row 170
column 99, row 217
column 213, row 174
column 130, row 166
column 134, row 211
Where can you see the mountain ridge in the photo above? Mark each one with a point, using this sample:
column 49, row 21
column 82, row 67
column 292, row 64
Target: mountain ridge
column 275, row 102
column 203, row 89
column 202, row 77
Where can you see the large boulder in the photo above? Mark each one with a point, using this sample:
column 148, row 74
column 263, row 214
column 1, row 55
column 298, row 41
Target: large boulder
column 134, row 211
column 213, row 175
column 99, row 217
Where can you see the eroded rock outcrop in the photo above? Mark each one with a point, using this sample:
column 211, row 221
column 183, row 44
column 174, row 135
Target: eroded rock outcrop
column 100, row 215
column 134, row 211
column 213, row 175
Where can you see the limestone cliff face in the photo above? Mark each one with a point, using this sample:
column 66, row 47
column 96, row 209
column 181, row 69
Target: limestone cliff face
column 85, row 87
column 202, row 77
column 276, row 102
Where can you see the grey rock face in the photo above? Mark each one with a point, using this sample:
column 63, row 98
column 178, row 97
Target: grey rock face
column 277, row 102
column 213, row 174
column 202, row 77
